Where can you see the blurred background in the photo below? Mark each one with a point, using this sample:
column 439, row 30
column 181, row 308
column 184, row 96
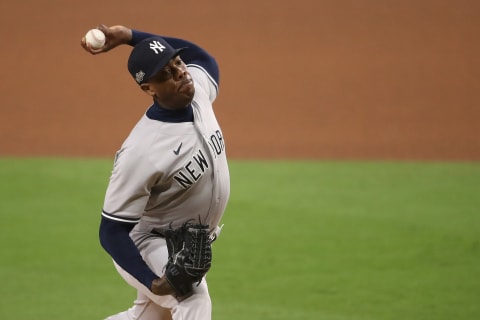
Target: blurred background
column 299, row 79
column 353, row 133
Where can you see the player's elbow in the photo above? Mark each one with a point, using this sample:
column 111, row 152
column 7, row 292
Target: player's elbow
column 112, row 233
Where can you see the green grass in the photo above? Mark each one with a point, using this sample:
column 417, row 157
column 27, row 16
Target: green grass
column 302, row 240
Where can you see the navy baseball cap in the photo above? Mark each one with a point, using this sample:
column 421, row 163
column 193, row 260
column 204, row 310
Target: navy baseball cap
column 148, row 57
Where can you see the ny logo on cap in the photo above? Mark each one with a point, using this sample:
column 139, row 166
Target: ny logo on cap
column 157, row 46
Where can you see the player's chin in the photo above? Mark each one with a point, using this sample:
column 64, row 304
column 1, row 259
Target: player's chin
column 188, row 91
column 186, row 97
column 187, row 87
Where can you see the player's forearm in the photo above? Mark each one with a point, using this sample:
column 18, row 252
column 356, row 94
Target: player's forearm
column 122, row 34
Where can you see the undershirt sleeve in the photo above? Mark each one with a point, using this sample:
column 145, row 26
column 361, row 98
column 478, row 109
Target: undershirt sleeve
column 115, row 239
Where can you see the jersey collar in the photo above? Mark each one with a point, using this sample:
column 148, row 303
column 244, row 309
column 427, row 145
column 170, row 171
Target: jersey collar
column 156, row 112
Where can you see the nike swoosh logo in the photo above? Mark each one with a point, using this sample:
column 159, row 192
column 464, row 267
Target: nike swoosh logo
column 178, row 149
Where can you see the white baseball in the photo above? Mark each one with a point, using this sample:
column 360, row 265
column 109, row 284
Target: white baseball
column 95, row 38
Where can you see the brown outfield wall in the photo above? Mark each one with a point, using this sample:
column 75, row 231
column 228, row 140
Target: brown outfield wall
column 299, row 79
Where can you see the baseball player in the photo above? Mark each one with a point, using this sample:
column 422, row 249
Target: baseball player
column 170, row 173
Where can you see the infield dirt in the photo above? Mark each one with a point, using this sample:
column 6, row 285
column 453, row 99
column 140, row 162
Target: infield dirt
column 299, row 79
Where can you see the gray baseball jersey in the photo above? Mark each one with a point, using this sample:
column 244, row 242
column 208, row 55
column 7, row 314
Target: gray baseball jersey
column 167, row 173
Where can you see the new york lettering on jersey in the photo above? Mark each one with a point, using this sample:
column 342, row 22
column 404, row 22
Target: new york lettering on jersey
column 194, row 169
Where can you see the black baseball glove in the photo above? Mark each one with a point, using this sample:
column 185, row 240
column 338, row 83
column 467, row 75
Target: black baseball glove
column 189, row 257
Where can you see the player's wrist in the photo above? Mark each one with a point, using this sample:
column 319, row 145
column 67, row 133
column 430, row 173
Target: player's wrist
column 122, row 33
column 161, row 287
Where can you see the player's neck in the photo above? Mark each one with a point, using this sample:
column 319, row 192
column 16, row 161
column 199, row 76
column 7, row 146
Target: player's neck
column 171, row 108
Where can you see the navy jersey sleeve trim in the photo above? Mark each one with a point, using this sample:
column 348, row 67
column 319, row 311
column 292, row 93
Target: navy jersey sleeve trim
column 120, row 219
column 192, row 54
column 115, row 239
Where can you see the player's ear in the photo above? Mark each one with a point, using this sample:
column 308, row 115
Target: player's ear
column 147, row 89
